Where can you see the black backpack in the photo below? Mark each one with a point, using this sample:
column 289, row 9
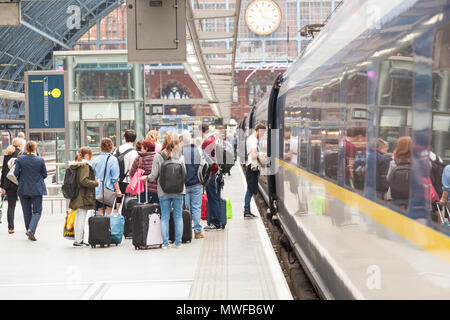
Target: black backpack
column 172, row 175
column 437, row 169
column 121, row 158
column 225, row 157
column 70, row 188
column 399, row 180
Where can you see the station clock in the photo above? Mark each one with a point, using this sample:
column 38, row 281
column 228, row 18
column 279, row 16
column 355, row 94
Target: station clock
column 263, row 17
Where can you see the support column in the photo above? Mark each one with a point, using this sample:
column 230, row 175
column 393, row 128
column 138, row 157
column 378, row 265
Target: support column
column 139, row 113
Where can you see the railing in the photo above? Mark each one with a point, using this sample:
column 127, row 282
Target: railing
column 53, row 191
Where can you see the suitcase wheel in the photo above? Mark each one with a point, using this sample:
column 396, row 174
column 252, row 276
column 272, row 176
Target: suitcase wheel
column 93, row 246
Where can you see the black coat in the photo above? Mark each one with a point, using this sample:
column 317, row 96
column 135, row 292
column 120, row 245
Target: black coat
column 7, row 185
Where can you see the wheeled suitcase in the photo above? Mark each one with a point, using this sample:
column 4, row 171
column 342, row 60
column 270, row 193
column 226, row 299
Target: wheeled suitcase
column 99, row 231
column 223, row 213
column 442, row 215
column 146, row 225
column 187, row 226
column 128, row 204
column 204, row 206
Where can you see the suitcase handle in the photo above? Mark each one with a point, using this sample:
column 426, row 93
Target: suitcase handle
column 146, row 192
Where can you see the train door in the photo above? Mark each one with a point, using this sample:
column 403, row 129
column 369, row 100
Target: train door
column 273, row 135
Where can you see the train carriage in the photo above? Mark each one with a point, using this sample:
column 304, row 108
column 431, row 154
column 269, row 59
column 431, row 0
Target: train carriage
column 377, row 70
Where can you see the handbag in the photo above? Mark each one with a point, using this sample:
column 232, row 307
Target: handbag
column 10, row 176
column 108, row 196
column 135, row 184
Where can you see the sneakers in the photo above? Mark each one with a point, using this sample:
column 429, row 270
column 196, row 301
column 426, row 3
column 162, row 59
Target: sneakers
column 176, row 246
column 198, row 235
column 30, row 235
column 10, row 231
column 249, row 215
column 80, row 244
column 211, row 227
column 165, row 247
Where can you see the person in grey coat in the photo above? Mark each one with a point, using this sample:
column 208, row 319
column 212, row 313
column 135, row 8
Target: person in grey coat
column 170, row 149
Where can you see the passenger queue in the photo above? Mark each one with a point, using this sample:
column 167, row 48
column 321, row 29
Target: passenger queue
column 166, row 182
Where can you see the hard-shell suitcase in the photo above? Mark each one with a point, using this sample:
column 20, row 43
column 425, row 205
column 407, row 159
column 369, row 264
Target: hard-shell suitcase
column 99, row 231
column 127, row 211
column 147, row 226
column 223, row 213
column 187, row 226
column 204, row 206
column 117, row 223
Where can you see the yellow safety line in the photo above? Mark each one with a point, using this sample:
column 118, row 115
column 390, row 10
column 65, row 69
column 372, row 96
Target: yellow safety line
column 37, row 80
column 429, row 239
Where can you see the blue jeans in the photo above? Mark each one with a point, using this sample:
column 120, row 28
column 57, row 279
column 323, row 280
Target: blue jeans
column 194, row 203
column 176, row 202
column 32, row 210
column 213, row 189
column 248, row 198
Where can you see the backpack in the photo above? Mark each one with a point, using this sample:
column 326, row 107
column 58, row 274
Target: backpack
column 399, row 180
column 121, row 158
column 70, row 188
column 437, row 169
column 172, row 175
column 204, row 171
column 225, row 157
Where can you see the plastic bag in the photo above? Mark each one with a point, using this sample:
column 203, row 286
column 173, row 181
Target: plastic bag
column 69, row 225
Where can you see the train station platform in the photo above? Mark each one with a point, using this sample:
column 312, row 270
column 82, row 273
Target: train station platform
column 235, row 263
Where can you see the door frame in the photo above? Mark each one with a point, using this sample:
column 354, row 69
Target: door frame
column 83, row 129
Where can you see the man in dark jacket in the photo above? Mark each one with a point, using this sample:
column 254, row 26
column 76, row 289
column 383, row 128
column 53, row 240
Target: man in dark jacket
column 31, row 172
column 382, row 168
column 213, row 188
column 193, row 200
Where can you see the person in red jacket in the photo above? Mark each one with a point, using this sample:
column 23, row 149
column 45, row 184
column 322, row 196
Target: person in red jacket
column 213, row 188
column 145, row 162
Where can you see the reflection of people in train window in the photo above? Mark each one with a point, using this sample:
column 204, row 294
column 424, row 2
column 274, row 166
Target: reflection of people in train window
column 355, row 144
column 382, row 167
column 287, row 147
column 398, row 175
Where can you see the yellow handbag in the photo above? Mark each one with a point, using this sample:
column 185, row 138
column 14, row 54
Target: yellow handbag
column 69, row 225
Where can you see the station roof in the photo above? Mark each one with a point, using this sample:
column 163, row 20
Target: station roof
column 47, row 26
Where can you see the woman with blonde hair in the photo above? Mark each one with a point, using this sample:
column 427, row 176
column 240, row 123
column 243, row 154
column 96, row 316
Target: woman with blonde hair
column 86, row 196
column 170, row 152
column 7, row 187
column 154, row 136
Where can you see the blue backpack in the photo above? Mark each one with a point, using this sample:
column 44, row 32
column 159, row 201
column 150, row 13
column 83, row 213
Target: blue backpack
column 117, row 223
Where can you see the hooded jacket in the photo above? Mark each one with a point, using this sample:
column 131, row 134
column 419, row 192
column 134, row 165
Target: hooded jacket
column 87, row 184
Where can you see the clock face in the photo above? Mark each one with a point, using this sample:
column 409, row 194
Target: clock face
column 263, row 16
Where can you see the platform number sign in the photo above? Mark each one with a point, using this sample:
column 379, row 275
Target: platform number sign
column 46, row 101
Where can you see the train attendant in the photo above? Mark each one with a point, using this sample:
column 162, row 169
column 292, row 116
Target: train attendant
column 252, row 170
column 31, row 172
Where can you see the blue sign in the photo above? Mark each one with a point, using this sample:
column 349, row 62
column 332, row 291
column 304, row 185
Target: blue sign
column 46, row 105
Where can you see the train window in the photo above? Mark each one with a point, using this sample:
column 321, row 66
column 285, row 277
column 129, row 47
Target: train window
column 440, row 141
column 305, row 117
column 290, row 136
column 355, row 133
column 331, row 118
column 315, row 136
column 394, row 127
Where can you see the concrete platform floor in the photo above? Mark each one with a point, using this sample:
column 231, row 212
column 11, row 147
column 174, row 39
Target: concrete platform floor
column 236, row 263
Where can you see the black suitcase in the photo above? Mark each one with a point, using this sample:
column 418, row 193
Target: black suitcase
column 127, row 213
column 142, row 219
column 99, row 231
column 187, row 226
